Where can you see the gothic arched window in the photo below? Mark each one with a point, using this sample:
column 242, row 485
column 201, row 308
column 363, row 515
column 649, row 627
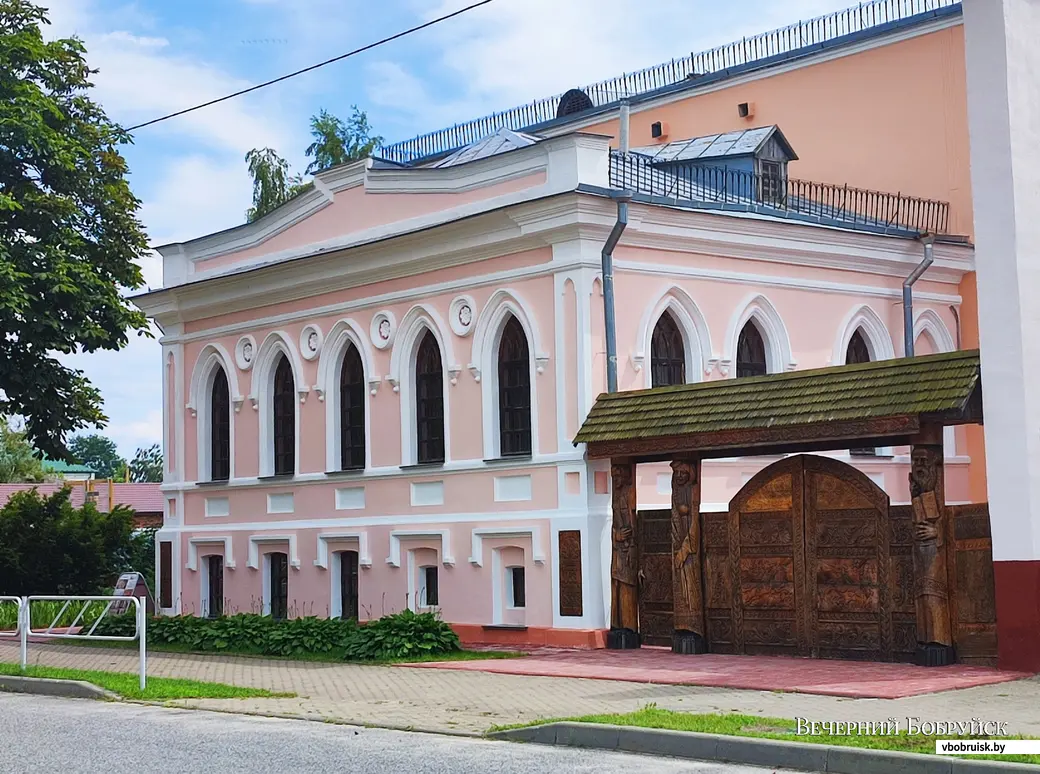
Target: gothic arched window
column 219, row 428
column 751, row 352
column 284, row 409
column 667, row 353
column 429, row 402
column 352, row 411
column 857, row 351
column 514, row 391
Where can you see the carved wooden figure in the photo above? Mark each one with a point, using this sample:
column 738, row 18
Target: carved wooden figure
column 931, row 589
column 624, row 561
column 687, row 595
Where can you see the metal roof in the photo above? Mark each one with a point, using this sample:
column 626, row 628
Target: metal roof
column 502, row 141
column 744, row 142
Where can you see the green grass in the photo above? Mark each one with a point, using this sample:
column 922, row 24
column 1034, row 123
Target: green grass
column 768, row 728
column 333, row 657
column 156, row 689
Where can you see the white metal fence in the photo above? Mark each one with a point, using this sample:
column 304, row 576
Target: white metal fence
column 25, row 631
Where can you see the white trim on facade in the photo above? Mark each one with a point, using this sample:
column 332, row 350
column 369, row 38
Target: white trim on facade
column 694, row 327
column 487, row 336
column 255, row 542
column 358, row 536
column 397, row 535
column 209, row 540
column 760, row 311
column 533, row 533
column 344, row 334
column 928, row 321
column 418, row 320
column 875, row 333
column 261, row 395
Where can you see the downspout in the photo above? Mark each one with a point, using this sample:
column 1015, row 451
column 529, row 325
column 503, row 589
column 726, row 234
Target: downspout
column 908, row 295
column 607, row 256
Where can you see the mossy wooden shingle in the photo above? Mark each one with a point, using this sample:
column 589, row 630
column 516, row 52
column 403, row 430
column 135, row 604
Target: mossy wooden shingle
column 927, row 386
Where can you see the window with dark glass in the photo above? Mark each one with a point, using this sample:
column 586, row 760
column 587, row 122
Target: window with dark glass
column 284, row 409
column 352, row 411
column 514, row 391
column 667, row 353
column 429, row 402
column 348, row 584
column 215, row 572
column 279, row 590
column 517, row 582
column 429, row 596
column 751, row 352
column 220, row 428
column 771, row 182
column 857, row 352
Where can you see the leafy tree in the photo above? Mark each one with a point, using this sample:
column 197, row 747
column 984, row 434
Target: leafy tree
column 100, row 454
column 69, row 233
column 338, row 142
column 273, row 185
column 18, row 462
column 49, row 547
column 147, row 465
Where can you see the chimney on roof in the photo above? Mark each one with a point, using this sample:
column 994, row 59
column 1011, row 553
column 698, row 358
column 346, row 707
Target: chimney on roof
column 623, row 130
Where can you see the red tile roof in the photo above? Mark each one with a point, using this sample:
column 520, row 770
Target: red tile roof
column 143, row 498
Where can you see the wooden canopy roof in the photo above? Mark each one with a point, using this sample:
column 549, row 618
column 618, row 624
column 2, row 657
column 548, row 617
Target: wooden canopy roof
column 885, row 403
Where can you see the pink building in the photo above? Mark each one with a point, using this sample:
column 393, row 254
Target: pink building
column 371, row 393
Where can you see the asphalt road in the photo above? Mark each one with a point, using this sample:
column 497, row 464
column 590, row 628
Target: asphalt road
column 42, row 734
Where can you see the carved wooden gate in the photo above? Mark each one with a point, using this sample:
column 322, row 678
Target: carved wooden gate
column 656, row 615
column 809, row 556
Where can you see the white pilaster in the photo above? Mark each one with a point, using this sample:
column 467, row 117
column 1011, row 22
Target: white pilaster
column 1003, row 62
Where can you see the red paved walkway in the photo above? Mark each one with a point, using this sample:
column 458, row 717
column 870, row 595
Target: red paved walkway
column 760, row 673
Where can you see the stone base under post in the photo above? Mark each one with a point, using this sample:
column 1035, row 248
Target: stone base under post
column 622, row 639
column 689, row 643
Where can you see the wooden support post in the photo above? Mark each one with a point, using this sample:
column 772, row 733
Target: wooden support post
column 624, row 560
column 931, row 586
column 687, row 558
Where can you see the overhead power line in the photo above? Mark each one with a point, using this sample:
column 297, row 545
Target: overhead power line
column 341, row 57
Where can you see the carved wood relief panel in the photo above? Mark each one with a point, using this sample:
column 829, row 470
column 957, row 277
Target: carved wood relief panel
column 655, row 577
column 570, row 572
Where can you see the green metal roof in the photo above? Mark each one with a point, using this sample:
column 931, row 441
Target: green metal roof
column 56, row 466
column 928, row 385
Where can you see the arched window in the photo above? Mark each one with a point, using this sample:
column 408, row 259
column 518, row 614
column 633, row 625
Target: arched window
column 352, row 411
column 667, row 353
column 751, row 351
column 284, row 408
column 514, row 391
column 857, row 351
column 429, row 402
column 220, row 428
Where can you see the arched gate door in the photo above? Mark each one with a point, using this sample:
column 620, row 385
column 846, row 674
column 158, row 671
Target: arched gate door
column 809, row 553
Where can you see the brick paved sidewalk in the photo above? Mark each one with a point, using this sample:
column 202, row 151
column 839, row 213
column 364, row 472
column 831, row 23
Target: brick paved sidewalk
column 471, row 702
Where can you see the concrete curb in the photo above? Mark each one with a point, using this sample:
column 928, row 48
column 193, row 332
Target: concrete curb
column 798, row 756
column 45, row 686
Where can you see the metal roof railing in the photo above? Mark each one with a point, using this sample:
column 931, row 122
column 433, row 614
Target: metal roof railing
column 742, row 53
column 779, row 196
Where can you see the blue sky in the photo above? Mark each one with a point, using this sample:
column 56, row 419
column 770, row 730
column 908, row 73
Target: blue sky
column 157, row 57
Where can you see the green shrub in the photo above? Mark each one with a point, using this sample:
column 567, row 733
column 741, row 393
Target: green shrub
column 309, row 635
column 49, row 547
column 402, row 635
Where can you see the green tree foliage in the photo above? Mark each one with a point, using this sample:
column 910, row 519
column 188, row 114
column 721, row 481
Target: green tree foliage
column 147, row 465
column 335, row 142
column 100, row 454
column 339, row 142
column 49, row 547
column 273, row 185
column 69, row 234
column 18, row 463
